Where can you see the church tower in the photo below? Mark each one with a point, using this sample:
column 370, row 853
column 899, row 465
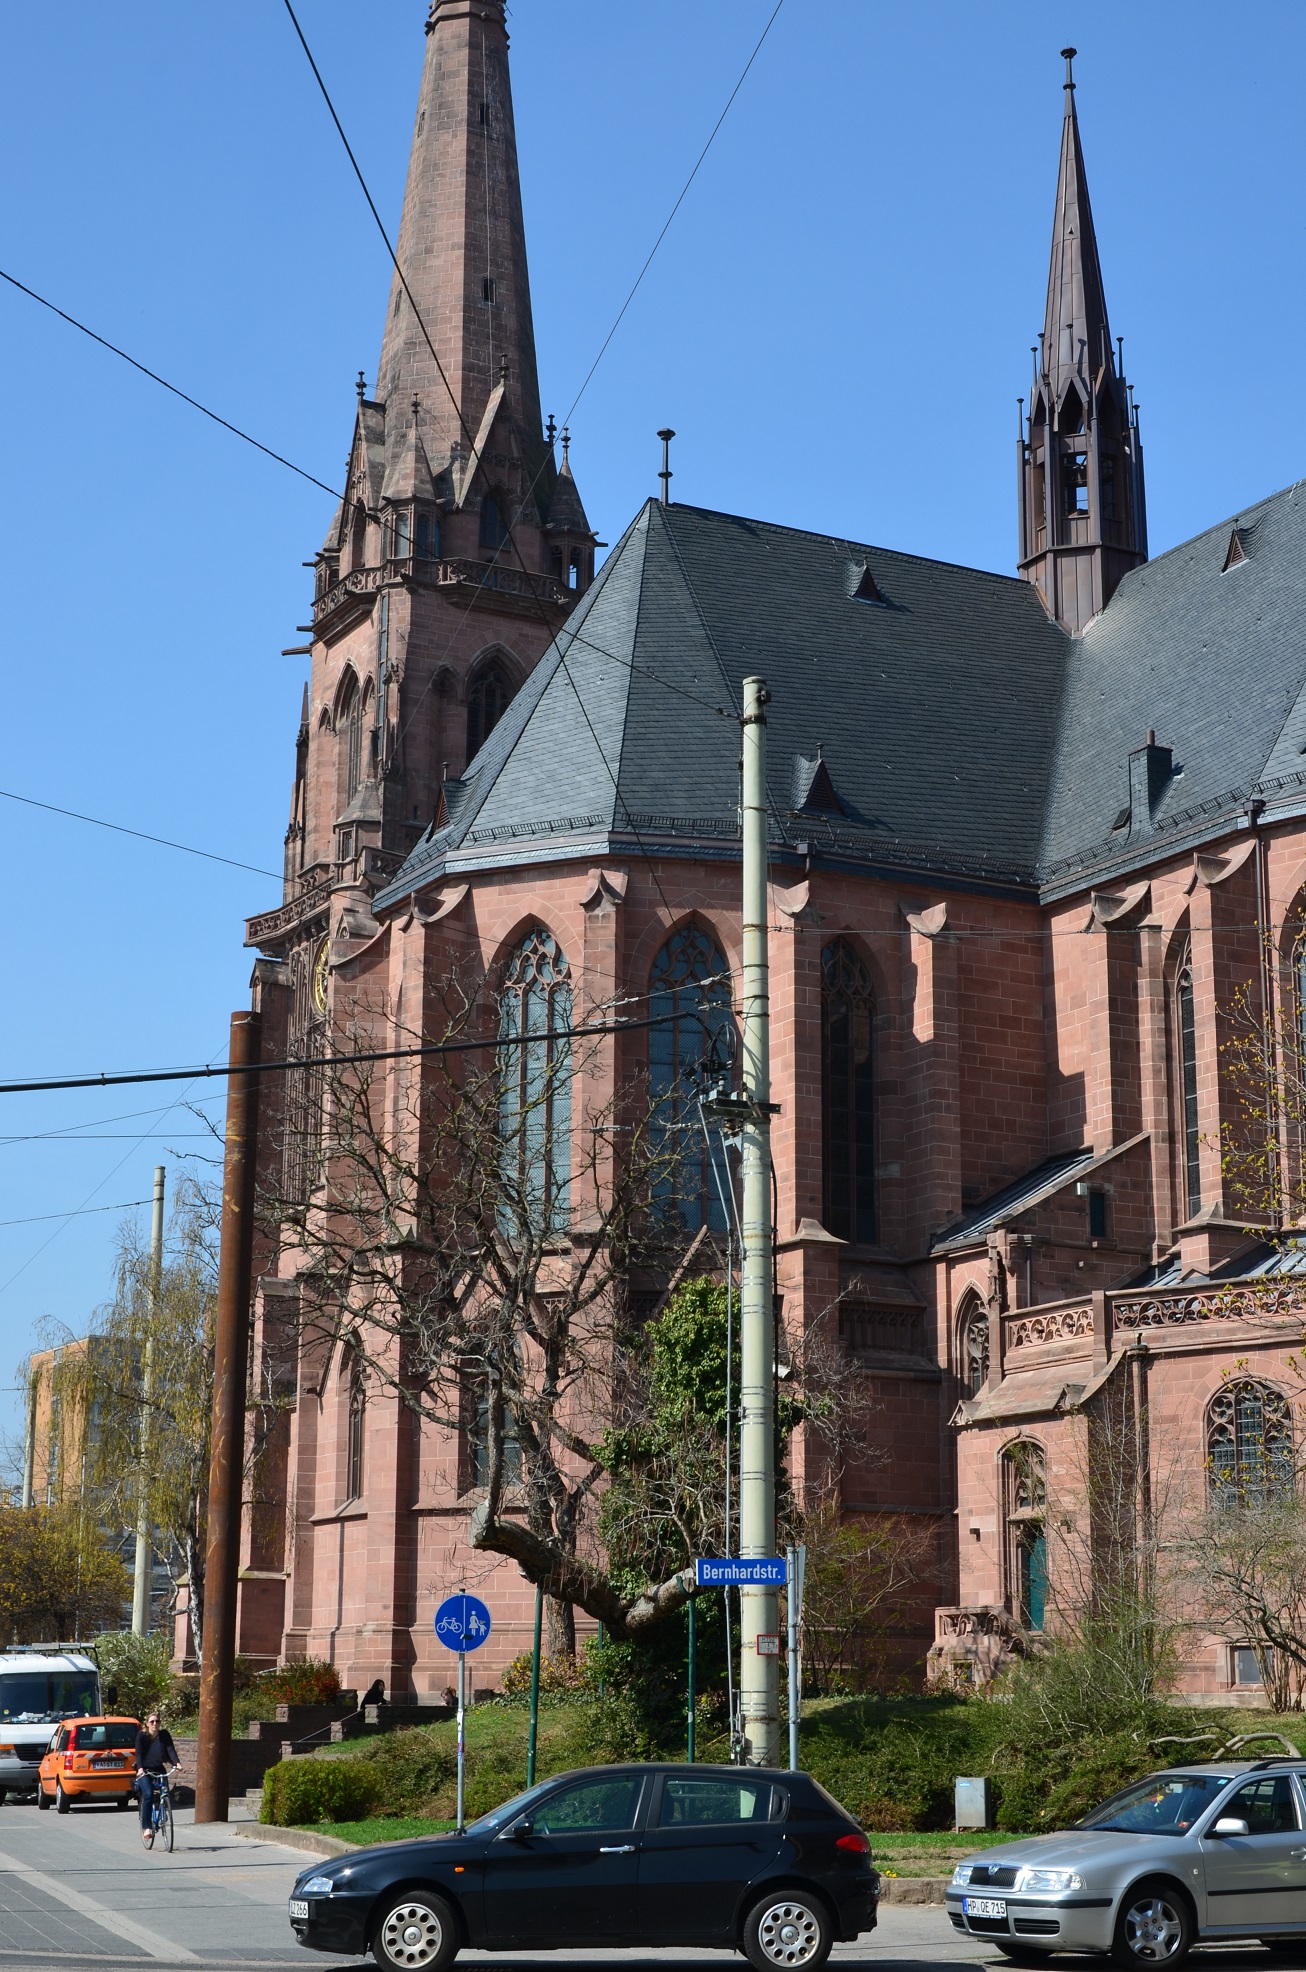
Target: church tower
column 460, row 544
column 1083, row 516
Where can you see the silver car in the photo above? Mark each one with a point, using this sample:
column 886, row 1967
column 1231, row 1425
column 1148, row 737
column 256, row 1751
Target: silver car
column 1194, row 1853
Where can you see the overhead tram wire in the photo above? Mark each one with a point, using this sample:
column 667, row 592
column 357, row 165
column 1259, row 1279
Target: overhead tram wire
column 114, row 1080
column 96, row 821
column 83, row 1212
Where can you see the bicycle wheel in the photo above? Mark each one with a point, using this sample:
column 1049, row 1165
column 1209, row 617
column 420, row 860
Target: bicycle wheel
column 165, row 1819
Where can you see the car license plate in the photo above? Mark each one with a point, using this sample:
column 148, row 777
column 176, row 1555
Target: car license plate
column 298, row 1907
column 97, row 1765
column 984, row 1906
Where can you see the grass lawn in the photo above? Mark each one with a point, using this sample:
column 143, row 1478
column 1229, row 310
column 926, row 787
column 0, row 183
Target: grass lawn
column 381, row 1828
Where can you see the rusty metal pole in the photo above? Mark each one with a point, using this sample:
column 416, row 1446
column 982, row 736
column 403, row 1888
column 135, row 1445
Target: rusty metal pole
column 227, row 1451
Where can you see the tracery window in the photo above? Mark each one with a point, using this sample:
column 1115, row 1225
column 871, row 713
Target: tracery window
column 475, row 1406
column 689, row 996
column 535, row 1089
column 302, row 1132
column 848, row 1094
column 1249, row 1448
column 487, row 701
column 973, row 1345
column 1025, row 1492
column 1185, row 1022
column 494, row 531
column 351, row 721
column 357, row 1438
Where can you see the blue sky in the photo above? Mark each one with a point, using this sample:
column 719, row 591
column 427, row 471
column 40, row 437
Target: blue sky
column 837, row 326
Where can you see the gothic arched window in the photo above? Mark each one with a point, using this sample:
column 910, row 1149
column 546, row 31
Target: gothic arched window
column 487, row 701
column 358, row 537
column 494, row 530
column 848, row 1094
column 1249, row 1454
column 357, row 1439
column 689, row 997
column 428, row 537
column 1185, row 1028
column 973, row 1345
column 350, row 723
column 535, row 1089
column 1024, row 1502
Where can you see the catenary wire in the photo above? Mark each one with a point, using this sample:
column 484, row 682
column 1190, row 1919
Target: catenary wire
column 164, row 842
column 154, row 377
column 83, row 1212
column 114, row 1080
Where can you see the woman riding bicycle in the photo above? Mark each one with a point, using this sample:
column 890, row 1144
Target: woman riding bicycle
column 155, row 1756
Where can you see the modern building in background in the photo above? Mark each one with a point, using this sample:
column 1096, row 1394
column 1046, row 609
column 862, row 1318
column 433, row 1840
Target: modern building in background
column 1030, row 836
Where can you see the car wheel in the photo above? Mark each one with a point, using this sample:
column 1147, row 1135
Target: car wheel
column 788, row 1929
column 42, row 1798
column 415, row 1932
column 61, row 1801
column 1155, row 1926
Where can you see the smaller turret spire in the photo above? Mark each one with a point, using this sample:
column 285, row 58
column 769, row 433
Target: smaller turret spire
column 1082, row 514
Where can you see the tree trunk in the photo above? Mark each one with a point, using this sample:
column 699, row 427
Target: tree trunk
column 560, row 1618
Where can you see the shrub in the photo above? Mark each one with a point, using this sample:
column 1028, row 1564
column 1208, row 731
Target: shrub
column 310, row 1681
column 135, row 1668
column 296, row 1792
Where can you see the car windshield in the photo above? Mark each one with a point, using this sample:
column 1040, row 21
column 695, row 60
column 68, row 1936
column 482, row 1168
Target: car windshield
column 510, row 1809
column 28, row 1696
column 1166, row 1804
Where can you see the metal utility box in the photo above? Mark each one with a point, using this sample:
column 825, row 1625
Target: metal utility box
column 974, row 1806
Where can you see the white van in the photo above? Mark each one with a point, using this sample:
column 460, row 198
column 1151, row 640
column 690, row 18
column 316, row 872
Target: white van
column 38, row 1689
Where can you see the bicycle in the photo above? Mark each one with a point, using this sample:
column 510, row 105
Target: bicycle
column 161, row 1821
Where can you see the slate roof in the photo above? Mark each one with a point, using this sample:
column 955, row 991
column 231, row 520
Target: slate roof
column 968, row 738
column 627, row 723
column 1015, row 1198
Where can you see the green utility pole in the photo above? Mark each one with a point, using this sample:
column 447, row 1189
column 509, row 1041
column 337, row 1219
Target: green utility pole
column 759, row 1676
column 144, row 1532
column 693, row 1691
column 535, row 1690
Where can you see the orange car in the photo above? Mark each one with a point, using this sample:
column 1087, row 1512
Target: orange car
column 89, row 1760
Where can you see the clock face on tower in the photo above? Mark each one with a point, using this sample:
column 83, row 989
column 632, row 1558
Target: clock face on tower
column 320, row 976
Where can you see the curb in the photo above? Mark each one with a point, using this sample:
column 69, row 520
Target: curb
column 913, row 1889
column 294, row 1838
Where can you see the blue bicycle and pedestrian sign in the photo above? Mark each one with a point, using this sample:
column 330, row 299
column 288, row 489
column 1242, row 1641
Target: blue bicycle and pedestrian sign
column 462, row 1623
column 769, row 1572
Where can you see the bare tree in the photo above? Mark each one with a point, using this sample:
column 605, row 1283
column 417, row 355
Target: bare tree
column 473, row 1231
column 100, row 1380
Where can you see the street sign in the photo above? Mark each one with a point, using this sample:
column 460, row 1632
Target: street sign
column 769, row 1573
column 462, row 1623
column 768, row 1646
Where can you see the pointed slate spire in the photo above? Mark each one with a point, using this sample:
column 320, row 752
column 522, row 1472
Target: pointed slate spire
column 1076, row 332
column 462, row 242
column 1083, row 515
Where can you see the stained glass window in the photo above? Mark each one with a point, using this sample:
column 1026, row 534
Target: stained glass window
column 1249, row 1449
column 973, row 1349
column 1024, row 1475
column 1186, row 1026
column 535, row 1090
column 848, row 1094
column 689, row 997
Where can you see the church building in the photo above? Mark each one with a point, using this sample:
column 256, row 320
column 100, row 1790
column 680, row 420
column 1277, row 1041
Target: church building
column 1032, row 834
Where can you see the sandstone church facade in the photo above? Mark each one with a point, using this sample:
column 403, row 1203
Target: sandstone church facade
column 1030, row 835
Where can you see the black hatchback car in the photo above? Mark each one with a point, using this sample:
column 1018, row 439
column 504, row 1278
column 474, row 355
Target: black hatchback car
column 741, row 1857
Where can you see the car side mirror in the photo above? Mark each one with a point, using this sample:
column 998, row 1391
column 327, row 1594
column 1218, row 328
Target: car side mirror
column 1230, row 1825
column 522, row 1829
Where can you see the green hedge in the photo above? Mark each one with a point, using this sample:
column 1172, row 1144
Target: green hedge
column 297, row 1792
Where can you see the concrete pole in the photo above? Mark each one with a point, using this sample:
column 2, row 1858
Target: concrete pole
column 144, row 1532
column 227, row 1452
column 759, row 1677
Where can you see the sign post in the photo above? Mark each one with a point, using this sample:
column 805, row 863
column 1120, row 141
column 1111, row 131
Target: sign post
column 462, row 1623
column 797, row 1560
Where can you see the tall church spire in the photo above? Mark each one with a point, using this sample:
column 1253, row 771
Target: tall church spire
column 1083, row 522
column 462, row 243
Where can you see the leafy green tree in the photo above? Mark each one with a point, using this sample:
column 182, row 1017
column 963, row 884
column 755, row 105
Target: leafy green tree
column 60, row 1577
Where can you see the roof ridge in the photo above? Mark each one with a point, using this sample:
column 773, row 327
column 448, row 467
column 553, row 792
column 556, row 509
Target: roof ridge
column 843, row 541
